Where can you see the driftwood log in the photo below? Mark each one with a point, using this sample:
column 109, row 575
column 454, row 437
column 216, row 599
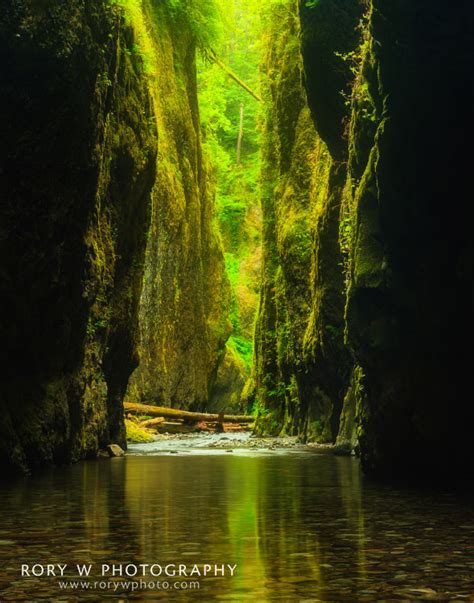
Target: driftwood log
column 152, row 422
column 185, row 415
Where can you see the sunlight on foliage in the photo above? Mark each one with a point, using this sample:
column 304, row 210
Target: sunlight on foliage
column 204, row 18
column 221, row 101
column 135, row 16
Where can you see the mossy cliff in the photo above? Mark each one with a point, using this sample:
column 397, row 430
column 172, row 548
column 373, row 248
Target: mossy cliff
column 367, row 274
column 410, row 296
column 302, row 367
column 407, row 253
column 77, row 165
column 186, row 294
column 105, row 194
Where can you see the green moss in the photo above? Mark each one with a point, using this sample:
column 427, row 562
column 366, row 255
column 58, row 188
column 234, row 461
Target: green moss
column 302, row 366
column 91, row 116
column 137, row 434
column 243, row 347
column 186, row 295
column 143, row 46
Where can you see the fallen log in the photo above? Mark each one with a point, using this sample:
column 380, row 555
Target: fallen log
column 185, row 415
column 174, row 427
column 152, row 422
column 236, row 427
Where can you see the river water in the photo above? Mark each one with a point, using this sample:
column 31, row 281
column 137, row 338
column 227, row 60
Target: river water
column 298, row 525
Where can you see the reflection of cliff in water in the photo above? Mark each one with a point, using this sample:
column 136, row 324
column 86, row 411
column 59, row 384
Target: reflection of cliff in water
column 309, row 521
column 298, row 525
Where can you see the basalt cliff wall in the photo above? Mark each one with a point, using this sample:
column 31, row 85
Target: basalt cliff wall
column 104, row 202
column 360, row 336
column 409, row 302
column 302, row 365
column 184, row 305
column 77, row 166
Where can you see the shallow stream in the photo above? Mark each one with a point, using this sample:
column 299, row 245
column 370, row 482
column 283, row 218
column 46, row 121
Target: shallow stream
column 298, row 525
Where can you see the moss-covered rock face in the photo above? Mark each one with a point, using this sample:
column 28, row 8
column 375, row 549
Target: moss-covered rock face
column 329, row 38
column 230, row 381
column 186, row 294
column 407, row 255
column 77, row 164
column 301, row 365
column 93, row 207
column 409, row 303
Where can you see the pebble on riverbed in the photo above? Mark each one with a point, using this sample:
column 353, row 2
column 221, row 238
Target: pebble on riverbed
column 245, row 440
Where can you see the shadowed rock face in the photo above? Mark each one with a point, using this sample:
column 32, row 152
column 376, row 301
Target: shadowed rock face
column 409, row 303
column 329, row 32
column 77, row 163
column 94, row 211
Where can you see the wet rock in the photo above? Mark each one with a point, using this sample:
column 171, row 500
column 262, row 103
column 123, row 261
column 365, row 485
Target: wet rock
column 343, row 449
column 183, row 327
column 115, row 450
column 409, row 302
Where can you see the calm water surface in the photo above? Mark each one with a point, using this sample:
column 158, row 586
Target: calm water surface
column 300, row 526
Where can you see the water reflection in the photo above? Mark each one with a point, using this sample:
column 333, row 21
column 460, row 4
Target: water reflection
column 300, row 527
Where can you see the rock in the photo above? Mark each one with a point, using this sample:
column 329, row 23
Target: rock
column 183, row 327
column 409, row 306
column 343, row 449
column 74, row 215
column 231, row 377
column 301, row 362
column 115, row 450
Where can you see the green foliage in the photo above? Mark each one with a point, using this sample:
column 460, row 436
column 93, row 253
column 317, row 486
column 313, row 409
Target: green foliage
column 232, row 267
column 93, row 326
column 316, row 427
column 203, row 18
column 220, row 97
column 243, row 347
column 144, row 47
column 345, row 234
column 278, row 391
column 231, row 212
column 237, row 185
column 355, row 60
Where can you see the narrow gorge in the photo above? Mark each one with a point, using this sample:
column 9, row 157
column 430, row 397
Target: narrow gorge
column 308, row 261
column 236, row 290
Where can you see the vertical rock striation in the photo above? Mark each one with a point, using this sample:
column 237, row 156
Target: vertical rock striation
column 360, row 332
column 77, row 164
column 186, row 294
column 410, row 297
column 302, row 367
column 408, row 248
column 96, row 208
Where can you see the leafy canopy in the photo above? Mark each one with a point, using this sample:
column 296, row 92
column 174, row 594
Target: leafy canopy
column 203, row 18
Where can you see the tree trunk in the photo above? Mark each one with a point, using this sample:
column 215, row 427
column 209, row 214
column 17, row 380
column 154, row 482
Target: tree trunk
column 185, row 415
column 241, row 133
